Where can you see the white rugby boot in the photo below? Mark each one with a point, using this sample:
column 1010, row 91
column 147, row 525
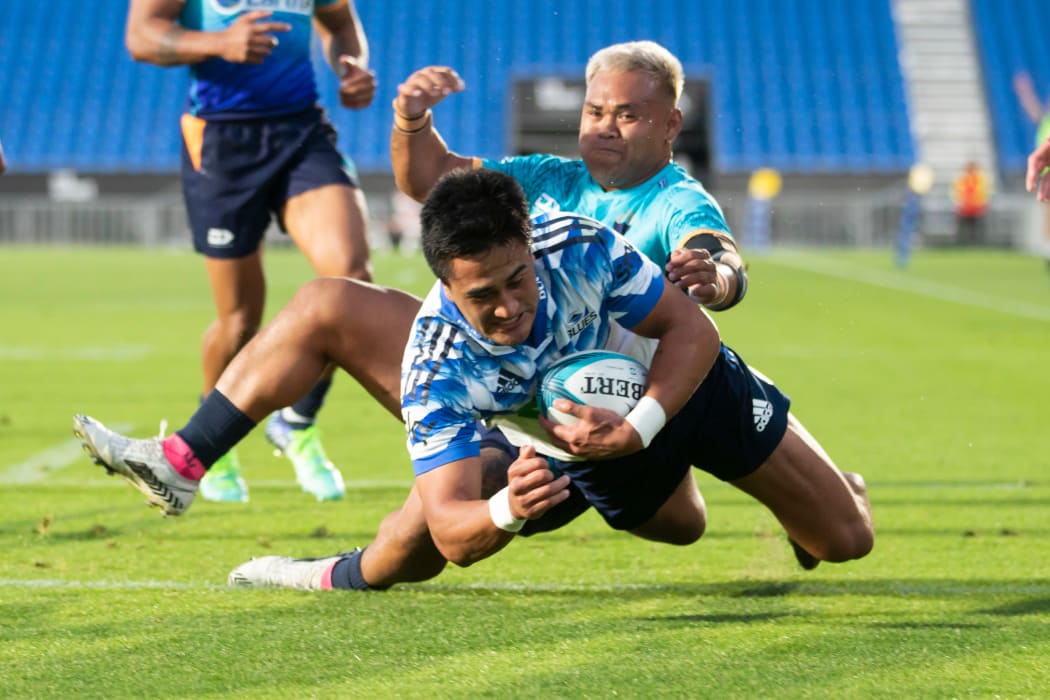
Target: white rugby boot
column 141, row 462
column 285, row 572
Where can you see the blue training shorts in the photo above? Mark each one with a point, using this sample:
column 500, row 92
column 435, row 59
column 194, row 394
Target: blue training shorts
column 238, row 174
column 730, row 426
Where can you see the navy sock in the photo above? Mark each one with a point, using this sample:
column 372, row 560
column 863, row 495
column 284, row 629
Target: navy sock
column 216, row 427
column 308, row 406
column 346, row 573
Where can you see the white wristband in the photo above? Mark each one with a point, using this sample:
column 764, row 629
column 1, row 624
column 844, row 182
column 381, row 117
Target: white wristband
column 648, row 418
column 499, row 511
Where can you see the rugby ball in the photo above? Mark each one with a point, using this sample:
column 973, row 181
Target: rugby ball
column 599, row 378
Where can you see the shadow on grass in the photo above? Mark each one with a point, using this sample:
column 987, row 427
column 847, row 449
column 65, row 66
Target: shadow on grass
column 1032, row 606
column 932, row 588
column 930, row 625
column 721, row 618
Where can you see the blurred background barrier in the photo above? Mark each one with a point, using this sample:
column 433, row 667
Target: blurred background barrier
column 840, row 98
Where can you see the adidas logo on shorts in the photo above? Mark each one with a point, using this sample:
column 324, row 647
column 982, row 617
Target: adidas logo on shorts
column 763, row 411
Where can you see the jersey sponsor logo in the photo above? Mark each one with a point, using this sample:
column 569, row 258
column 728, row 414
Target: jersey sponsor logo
column 220, row 237
column 763, row 412
column 507, row 382
column 579, row 325
column 229, row 7
column 627, row 265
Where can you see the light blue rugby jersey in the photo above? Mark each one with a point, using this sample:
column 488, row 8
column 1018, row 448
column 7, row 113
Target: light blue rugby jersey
column 281, row 84
column 656, row 216
column 451, row 376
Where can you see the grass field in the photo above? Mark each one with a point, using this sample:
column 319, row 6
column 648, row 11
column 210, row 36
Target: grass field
column 933, row 382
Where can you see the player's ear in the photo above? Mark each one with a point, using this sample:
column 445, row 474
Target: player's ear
column 674, row 124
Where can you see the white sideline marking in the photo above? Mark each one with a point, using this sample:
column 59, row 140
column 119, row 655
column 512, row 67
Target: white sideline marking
column 102, row 353
column 865, row 588
column 100, row 585
column 46, row 462
column 932, row 290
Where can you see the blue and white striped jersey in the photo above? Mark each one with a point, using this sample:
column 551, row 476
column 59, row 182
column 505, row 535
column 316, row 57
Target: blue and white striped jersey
column 656, row 215
column 592, row 284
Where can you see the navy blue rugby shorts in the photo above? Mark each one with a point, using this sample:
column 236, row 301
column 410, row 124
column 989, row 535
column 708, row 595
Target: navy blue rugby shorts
column 237, row 174
column 729, row 427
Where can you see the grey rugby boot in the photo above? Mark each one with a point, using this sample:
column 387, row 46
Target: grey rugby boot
column 141, row 462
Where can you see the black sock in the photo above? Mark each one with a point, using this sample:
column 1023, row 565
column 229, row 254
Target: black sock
column 346, row 573
column 216, row 427
column 308, row 406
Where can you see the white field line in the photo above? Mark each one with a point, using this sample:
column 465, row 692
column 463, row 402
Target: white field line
column 932, row 290
column 865, row 588
column 45, row 463
column 102, row 585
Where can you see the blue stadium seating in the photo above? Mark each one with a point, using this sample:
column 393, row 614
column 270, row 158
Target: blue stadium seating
column 1011, row 37
column 802, row 85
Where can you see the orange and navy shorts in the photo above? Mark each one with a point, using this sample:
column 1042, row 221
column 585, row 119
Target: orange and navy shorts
column 237, row 174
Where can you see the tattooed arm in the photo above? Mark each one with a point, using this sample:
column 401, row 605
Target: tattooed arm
column 153, row 35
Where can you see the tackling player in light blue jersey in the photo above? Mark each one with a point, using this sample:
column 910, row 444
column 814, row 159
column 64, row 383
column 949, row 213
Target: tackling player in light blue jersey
column 258, row 149
column 625, row 177
column 658, row 215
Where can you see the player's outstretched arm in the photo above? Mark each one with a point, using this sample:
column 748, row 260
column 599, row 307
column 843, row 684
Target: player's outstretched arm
column 346, row 48
column 467, row 528
column 153, row 35
column 418, row 153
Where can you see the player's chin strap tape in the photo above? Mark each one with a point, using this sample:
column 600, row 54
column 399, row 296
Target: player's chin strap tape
column 719, row 244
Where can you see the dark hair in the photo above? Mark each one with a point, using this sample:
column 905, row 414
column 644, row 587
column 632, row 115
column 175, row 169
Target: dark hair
column 470, row 212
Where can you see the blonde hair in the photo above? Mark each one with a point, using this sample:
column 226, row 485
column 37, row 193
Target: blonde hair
column 646, row 56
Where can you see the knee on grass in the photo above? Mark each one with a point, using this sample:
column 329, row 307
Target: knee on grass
column 854, row 542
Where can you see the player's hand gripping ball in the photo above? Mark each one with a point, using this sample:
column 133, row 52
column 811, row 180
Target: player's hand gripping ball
column 598, row 378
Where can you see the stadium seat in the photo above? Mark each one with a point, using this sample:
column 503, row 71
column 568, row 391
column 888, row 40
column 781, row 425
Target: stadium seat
column 1009, row 38
column 786, row 87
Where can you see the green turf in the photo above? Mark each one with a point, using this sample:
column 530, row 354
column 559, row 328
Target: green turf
column 933, row 382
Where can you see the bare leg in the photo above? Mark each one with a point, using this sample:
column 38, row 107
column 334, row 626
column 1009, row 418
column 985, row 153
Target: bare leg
column 239, row 291
column 823, row 510
column 361, row 327
column 328, row 225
